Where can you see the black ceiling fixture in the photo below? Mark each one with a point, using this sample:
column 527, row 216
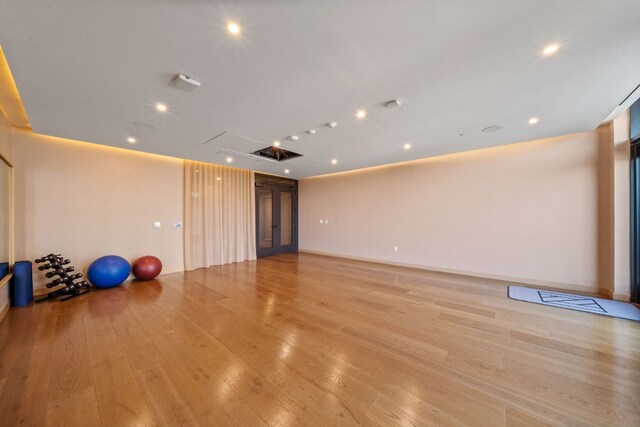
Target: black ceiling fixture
column 276, row 153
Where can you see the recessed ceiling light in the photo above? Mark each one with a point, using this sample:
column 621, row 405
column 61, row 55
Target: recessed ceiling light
column 332, row 124
column 276, row 143
column 293, row 138
column 311, row 131
column 131, row 140
column 334, row 161
column 161, row 107
column 533, row 120
column 229, row 159
column 551, row 49
column 361, row 114
column 286, row 171
column 407, row 146
column 233, row 28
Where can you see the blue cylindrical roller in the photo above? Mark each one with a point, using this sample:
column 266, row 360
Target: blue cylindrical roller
column 21, row 285
column 4, row 269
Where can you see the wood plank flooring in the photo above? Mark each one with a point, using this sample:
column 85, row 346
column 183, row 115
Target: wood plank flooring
column 301, row 339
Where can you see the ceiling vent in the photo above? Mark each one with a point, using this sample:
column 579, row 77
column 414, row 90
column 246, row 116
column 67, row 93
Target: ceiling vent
column 238, row 145
column 276, row 154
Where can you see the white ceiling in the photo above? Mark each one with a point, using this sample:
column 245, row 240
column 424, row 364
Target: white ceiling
column 88, row 69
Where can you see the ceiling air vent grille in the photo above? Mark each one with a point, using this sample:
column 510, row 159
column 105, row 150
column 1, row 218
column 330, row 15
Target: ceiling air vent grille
column 275, row 153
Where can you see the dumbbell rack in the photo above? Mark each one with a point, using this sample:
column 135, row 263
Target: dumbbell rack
column 55, row 267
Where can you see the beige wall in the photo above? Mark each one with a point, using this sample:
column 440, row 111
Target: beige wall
column 7, row 152
column 528, row 212
column 85, row 201
column 6, row 147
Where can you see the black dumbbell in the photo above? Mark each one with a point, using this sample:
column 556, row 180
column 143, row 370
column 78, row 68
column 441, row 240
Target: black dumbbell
column 50, row 257
column 50, row 274
column 55, row 283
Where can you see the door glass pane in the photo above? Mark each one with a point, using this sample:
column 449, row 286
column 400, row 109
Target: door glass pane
column 265, row 219
column 285, row 218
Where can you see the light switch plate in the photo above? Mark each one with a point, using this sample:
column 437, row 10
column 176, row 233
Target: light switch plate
column 157, row 224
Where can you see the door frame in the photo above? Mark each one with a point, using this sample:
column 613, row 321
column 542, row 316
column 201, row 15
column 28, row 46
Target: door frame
column 277, row 186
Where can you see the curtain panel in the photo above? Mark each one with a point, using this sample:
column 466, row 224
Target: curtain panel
column 220, row 215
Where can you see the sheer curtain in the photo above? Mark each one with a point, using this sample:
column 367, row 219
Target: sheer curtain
column 219, row 213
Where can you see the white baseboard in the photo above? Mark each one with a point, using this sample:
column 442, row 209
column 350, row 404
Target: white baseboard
column 172, row 270
column 520, row 280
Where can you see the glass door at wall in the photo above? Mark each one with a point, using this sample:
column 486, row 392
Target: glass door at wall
column 276, row 220
column 634, row 172
column 635, row 220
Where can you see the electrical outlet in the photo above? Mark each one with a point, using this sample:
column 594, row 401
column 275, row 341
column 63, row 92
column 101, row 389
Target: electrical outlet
column 322, row 221
column 157, row 224
column 177, row 224
column 395, row 249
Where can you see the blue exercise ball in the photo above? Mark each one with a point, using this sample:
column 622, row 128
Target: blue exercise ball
column 108, row 271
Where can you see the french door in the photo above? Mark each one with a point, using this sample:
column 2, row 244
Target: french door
column 276, row 218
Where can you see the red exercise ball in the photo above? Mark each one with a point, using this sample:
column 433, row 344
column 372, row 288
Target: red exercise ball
column 146, row 268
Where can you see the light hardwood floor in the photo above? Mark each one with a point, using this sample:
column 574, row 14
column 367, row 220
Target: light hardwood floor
column 303, row 339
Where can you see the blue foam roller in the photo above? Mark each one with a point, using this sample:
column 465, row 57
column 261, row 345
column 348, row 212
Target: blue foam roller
column 4, row 269
column 21, row 285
